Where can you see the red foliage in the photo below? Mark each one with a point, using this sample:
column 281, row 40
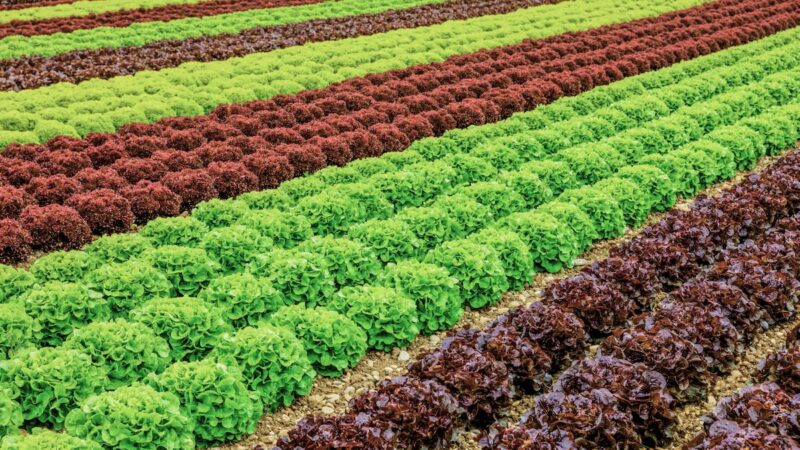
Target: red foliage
column 137, row 169
column 232, row 178
column 192, row 186
column 270, row 168
column 149, row 200
column 103, row 178
column 15, row 242
column 53, row 189
column 55, row 227
column 104, row 210
column 12, row 201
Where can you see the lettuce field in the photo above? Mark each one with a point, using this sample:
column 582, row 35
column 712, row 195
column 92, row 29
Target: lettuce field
column 399, row 224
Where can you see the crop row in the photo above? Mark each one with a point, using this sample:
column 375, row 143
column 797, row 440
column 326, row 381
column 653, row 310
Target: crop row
column 109, row 61
column 19, row 4
column 82, row 8
column 128, row 32
column 762, row 416
column 624, row 395
column 186, row 185
column 387, row 317
column 192, row 88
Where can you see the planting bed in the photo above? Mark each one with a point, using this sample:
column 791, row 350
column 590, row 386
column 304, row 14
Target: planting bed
column 219, row 217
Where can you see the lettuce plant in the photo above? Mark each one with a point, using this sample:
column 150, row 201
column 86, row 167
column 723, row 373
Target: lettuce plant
column 66, row 266
column 50, row 382
column 18, row 330
column 214, row 397
column 552, row 244
column 243, row 299
column 234, row 247
column 432, row 288
column 388, row 317
column 284, row 228
column 272, row 360
column 349, row 262
column 14, row 282
column 632, row 199
column 302, row 277
column 501, row 200
column 62, row 307
column 10, row 414
column 513, row 252
column 556, row 174
column 127, row 351
column 188, row 269
column 604, row 210
column 128, row 284
column 658, row 187
column 431, row 224
column 118, row 248
column 333, row 342
column 478, row 268
column 186, row 231
column 391, row 240
column 576, row 220
column 131, row 417
column 469, row 215
column 43, row 438
column 218, row 213
column 190, row 326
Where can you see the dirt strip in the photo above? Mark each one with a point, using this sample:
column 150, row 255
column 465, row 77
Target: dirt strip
column 127, row 17
column 35, row 71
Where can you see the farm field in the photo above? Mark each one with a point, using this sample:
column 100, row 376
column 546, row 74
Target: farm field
column 399, row 224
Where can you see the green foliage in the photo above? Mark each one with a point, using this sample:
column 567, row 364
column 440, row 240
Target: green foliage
column 556, row 174
column 333, row 175
column 18, row 330
column 372, row 166
column 126, row 351
column 684, row 176
column 552, row 244
column 630, row 149
column 370, row 201
column 404, row 158
column 63, row 266
column 329, row 212
column 62, row 307
column 415, row 184
column 49, row 382
column 468, row 215
column 432, row 288
column 188, row 269
column 388, row 317
column 499, row 198
column 530, row 186
column 14, row 282
column 576, row 220
column 604, row 210
column 286, row 229
column 301, row 187
column 190, row 326
column 185, row 231
column 128, row 284
column 302, row 277
column 513, row 253
column 707, row 169
column 42, row 438
column 478, row 269
column 432, row 225
column 588, row 166
column 118, row 248
column 499, row 156
column 779, row 132
column 650, row 140
column 133, row 417
column 633, row 201
column 218, row 213
column 469, row 168
column 266, row 199
column 722, row 158
column 273, row 363
column 242, row 298
column 349, row 262
column 234, row 247
column 11, row 416
column 333, row 342
column 214, row 397
column 390, row 240
column 658, row 187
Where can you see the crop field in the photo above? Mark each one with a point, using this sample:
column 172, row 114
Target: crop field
column 399, row 224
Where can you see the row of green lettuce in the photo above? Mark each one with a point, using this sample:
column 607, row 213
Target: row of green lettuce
column 84, row 8
column 194, row 88
column 566, row 180
column 142, row 33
